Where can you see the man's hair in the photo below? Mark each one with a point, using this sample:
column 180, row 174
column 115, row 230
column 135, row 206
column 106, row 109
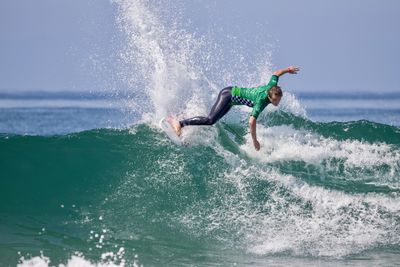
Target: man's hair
column 275, row 91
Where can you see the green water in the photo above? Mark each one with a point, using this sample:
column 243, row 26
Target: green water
column 333, row 199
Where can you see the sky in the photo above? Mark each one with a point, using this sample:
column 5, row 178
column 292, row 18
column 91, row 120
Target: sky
column 341, row 45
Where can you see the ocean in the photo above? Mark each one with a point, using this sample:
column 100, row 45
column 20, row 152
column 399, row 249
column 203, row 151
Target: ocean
column 84, row 182
column 89, row 179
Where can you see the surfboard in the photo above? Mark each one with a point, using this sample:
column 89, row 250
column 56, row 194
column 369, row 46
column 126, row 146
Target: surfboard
column 169, row 130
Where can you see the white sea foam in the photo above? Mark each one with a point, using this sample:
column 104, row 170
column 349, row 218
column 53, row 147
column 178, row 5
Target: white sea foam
column 291, row 104
column 337, row 225
column 108, row 259
column 296, row 218
column 352, row 158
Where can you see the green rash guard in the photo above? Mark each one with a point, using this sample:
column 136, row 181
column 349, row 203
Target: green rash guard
column 256, row 97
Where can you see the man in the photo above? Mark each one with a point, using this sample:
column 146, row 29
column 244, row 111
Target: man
column 257, row 98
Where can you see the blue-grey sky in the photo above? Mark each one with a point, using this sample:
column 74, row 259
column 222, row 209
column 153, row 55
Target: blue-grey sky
column 339, row 45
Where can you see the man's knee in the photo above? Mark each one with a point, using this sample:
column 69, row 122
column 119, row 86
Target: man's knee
column 211, row 120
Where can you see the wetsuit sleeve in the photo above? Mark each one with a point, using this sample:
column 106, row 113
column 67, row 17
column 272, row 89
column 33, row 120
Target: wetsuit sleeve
column 257, row 110
column 273, row 81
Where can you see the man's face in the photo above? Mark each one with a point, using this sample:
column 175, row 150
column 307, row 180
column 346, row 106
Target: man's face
column 275, row 99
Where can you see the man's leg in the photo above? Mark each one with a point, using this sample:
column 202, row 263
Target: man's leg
column 221, row 106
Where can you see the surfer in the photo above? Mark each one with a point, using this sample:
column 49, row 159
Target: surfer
column 257, row 98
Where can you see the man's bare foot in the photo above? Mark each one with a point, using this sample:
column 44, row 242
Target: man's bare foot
column 176, row 125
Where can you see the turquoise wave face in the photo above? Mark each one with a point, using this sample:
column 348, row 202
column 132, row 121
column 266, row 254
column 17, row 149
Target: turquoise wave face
column 325, row 190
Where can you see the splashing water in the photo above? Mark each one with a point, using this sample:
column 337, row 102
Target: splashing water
column 172, row 66
column 310, row 192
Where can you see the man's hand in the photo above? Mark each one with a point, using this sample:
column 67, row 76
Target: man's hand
column 293, row 69
column 256, row 145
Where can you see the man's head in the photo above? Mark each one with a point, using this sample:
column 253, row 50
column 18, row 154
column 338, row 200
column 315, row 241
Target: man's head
column 275, row 95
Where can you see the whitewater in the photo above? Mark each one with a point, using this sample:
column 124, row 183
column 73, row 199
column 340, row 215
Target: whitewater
column 95, row 182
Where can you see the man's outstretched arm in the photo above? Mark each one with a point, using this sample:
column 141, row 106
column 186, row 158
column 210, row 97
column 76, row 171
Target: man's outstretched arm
column 291, row 70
